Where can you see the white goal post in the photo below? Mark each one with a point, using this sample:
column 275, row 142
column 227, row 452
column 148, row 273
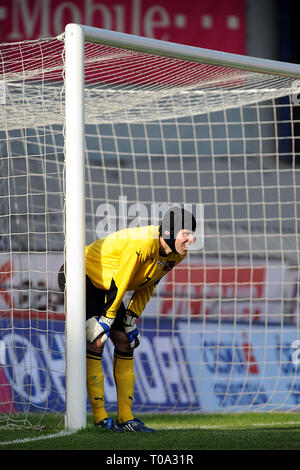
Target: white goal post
column 75, row 228
column 101, row 130
column 75, row 37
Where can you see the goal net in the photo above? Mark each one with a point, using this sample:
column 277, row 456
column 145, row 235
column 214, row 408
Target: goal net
column 163, row 127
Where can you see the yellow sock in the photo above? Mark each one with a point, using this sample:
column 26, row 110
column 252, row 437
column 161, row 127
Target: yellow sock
column 124, row 378
column 95, row 385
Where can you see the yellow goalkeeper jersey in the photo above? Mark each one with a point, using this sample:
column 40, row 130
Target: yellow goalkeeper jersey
column 130, row 261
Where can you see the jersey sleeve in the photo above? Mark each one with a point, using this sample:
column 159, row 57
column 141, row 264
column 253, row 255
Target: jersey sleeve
column 128, row 265
column 136, row 254
column 140, row 299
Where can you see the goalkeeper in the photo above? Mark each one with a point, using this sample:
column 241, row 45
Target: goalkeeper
column 133, row 259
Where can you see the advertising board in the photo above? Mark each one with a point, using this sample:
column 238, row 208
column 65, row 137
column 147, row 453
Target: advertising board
column 198, row 367
column 243, row 368
column 212, row 24
column 32, row 369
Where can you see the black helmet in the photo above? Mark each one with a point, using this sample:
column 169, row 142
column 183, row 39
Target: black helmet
column 173, row 221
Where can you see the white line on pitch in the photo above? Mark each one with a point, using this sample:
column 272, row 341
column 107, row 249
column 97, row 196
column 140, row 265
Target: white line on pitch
column 40, row 438
column 217, row 426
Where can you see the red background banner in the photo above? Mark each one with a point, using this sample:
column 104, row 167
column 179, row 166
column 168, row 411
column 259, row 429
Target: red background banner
column 212, row 24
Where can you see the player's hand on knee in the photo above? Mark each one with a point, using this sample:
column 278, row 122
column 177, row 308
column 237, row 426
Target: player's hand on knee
column 98, row 326
column 131, row 330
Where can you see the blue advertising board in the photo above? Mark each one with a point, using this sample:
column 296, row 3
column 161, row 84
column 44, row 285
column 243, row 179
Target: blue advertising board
column 182, row 366
column 34, row 367
column 242, row 368
column 33, row 363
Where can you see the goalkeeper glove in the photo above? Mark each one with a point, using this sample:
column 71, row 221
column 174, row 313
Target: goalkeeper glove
column 131, row 330
column 96, row 326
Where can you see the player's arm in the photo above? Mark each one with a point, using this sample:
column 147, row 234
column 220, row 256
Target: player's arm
column 129, row 263
column 139, row 299
column 100, row 326
column 145, row 252
column 135, row 308
column 136, row 253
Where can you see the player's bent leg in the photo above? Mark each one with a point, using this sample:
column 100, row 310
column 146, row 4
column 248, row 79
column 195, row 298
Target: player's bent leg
column 95, row 386
column 124, row 379
column 123, row 374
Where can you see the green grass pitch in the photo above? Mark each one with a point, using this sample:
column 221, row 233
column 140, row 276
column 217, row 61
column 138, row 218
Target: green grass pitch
column 240, row 431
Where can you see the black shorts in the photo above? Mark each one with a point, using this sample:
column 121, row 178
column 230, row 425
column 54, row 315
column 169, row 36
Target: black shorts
column 96, row 303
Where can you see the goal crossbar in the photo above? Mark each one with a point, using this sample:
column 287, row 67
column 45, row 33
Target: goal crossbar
column 185, row 52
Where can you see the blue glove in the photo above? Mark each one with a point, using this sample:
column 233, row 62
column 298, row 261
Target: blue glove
column 96, row 326
column 131, row 330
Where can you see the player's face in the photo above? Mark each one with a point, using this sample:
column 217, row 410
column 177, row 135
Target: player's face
column 183, row 240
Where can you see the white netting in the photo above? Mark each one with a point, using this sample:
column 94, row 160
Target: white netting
column 125, row 86
column 158, row 131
